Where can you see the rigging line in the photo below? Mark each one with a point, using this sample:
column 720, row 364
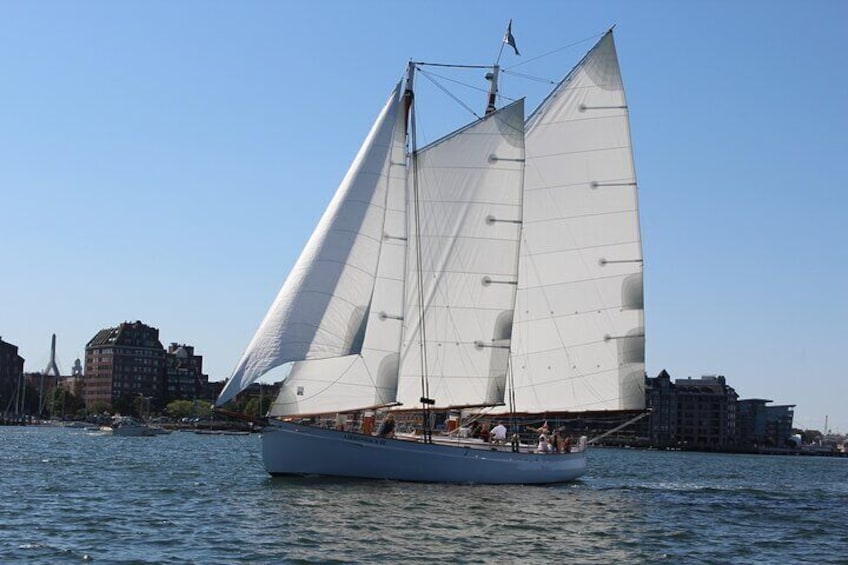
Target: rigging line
column 530, row 77
column 425, row 385
column 252, row 454
column 453, row 80
column 617, row 428
column 449, row 65
column 557, row 50
column 451, row 95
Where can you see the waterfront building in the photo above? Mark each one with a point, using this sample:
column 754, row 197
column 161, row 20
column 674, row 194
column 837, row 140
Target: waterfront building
column 779, row 421
column 706, row 413
column 122, row 365
column 661, row 399
column 184, row 376
column 212, row 390
column 74, row 383
column 751, row 422
column 11, row 377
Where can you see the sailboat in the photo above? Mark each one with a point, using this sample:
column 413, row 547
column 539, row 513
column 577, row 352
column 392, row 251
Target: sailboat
column 498, row 269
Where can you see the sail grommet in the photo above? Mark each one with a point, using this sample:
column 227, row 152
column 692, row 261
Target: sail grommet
column 594, row 185
column 487, row 281
column 490, row 219
column 493, row 158
column 602, row 262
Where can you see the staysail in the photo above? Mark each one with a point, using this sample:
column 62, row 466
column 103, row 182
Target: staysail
column 322, row 309
column 578, row 343
column 368, row 378
column 469, row 214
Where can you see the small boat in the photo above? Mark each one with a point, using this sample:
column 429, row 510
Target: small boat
column 126, row 426
column 496, row 270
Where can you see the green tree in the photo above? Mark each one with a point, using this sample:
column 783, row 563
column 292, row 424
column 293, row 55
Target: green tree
column 180, row 408
column 184, row 408
column 811, row 436
column 98, row 408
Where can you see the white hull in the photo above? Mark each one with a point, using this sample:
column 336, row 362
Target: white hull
column 133, row 431
column 291, row 449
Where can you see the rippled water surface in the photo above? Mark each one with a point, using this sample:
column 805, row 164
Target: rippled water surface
column 70, row 496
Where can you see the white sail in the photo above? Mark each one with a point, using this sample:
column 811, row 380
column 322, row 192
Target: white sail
column 367, row 379
column 322, row 308
column 469, row 202
column 432, row 275
column 578, row 340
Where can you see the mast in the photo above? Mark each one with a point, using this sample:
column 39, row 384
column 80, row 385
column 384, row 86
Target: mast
column 492, row 77
column 426, row 401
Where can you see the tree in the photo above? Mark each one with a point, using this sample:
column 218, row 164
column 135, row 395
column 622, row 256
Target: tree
column 98, row 408
column 810, row 436
column 183, row 408
column 179, row 409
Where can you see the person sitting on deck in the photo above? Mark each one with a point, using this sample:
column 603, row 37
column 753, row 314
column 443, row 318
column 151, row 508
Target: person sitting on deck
column 387, row 428
column 498, row 434
column 556, row 442
column 544, row 446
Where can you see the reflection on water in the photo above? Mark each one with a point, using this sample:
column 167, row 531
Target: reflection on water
column 71, row 496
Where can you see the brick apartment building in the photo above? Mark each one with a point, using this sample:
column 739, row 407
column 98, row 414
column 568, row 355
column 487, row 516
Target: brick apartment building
column 127, row 364
column 184, row 376
column 123, row 364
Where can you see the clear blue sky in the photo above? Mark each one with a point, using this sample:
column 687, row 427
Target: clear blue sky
column 166, row 161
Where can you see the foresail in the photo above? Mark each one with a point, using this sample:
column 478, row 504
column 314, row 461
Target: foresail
column 578, row 341
column 369, row 378
column 337, row 384
column 322, row 308
column 469, row 213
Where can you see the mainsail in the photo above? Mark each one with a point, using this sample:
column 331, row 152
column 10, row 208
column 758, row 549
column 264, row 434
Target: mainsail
column 578, row 343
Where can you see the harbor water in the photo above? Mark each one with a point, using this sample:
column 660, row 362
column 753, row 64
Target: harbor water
column 71, row 496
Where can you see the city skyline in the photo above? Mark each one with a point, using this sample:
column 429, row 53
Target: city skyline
column 170, row 172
